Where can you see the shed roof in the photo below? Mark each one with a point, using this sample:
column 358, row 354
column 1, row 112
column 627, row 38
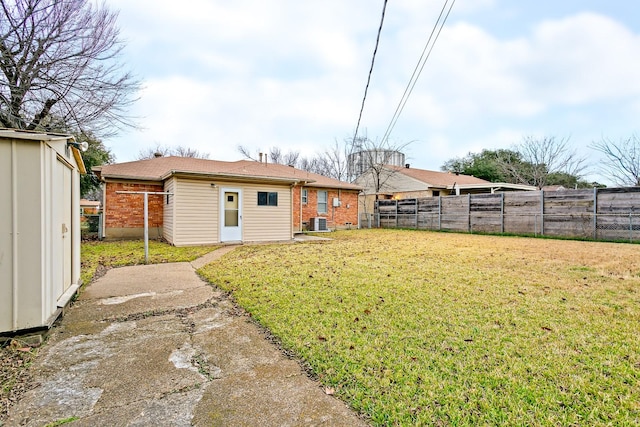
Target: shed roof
column 33, row 136
column 160, row 168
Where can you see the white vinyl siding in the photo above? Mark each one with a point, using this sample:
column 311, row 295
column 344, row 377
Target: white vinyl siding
column 169, row 211
column 266, row 223
column 195, row 206
column 192, row 216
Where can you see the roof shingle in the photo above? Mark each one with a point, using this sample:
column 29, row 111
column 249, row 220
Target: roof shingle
column 160, row 168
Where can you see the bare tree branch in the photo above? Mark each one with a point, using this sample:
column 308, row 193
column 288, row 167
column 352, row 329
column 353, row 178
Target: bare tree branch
column 164, row 150
column 621, row 160
column 59, row 67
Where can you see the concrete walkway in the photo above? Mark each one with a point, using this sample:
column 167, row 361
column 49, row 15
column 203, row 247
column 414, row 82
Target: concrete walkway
column 156, row 346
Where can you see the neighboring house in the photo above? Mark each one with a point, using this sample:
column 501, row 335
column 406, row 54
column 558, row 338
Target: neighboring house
column 213, row 201
column 406, row 182
column 89, row 207
column 40, row 227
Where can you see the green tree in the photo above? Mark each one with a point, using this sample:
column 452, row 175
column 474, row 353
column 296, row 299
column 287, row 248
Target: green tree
column 535, row 161
column 97, row 154
column 488, row 164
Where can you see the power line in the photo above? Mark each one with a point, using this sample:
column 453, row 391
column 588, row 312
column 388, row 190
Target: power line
column 419, row 66
column 373, row 59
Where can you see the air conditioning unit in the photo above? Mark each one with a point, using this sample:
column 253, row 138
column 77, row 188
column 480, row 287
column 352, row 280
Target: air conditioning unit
column 318, row 224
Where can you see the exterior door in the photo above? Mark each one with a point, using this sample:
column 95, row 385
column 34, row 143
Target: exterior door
column 61, row 228
column 66, row 228
column 230, row 215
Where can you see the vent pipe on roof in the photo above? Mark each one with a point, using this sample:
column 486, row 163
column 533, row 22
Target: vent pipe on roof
column 260, row 154
column 157, row 154
column 407, row 165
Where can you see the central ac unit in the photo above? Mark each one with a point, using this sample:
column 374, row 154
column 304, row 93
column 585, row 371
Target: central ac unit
column 318, row 224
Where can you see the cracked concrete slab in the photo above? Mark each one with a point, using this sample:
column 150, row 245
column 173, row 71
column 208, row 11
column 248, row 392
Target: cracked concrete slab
column 155, row 345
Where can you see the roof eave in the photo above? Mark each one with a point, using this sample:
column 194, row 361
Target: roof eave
column 231, row 177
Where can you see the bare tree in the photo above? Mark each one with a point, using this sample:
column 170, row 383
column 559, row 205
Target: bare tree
column 164, row 150
column 621, row 160
column 275, row 155
column 59, row 67
column 537, row 158
column 374, row 162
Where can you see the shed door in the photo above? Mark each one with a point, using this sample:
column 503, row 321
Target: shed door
column 61, row 232
column 230, row 215
column 66, row 227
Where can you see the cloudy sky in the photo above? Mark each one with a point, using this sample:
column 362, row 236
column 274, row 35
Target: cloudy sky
column 287, row 73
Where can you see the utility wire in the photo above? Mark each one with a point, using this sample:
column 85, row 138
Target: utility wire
column 373, row 60
column 426, row 52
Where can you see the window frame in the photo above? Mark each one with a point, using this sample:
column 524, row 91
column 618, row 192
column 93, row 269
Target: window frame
column 304, row 196
column 325, row 202
column 267, row 198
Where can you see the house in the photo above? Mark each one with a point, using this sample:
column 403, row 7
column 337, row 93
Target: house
column 89, row 207
column 405, row 182
column 40, row 227
column 208, row 201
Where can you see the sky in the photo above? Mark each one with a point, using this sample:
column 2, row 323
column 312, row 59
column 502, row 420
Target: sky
column 291, row 74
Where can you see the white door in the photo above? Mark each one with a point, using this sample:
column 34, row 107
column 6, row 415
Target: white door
column 230, row 215
column 61, row 232
column 66, row 227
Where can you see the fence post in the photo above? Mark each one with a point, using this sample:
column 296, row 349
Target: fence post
column 502, row 213
column 542, row 212
column 469, row 212
column 630, row 228
column 416, row 207
column 396, row 214
column 439, row 213
column 595, row 213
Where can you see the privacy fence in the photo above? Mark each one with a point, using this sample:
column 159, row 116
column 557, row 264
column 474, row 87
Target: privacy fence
column 599, row 214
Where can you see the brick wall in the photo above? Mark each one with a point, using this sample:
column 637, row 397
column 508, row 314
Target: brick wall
column 127, row 210
column 337, row 217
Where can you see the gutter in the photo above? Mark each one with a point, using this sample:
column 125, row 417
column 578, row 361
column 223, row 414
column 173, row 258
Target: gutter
column 231, row 177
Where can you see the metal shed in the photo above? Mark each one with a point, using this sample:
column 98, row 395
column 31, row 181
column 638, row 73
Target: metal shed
column 39, row 227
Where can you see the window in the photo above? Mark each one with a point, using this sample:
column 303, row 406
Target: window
column 304, row 196
column 267, row 198
column 322, row 201
column 436, row 193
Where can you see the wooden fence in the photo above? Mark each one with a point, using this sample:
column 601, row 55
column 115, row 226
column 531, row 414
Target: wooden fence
column 599, row 214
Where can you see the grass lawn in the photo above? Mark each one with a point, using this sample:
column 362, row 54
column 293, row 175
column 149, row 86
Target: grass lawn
column 422, row 328
column 131, row 252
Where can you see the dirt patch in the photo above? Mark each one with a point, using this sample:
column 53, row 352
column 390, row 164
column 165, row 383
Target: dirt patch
column 15, row 376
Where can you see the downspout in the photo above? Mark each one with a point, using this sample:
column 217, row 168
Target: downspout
column 104, row 210
column 14, row 235
column 302, row 184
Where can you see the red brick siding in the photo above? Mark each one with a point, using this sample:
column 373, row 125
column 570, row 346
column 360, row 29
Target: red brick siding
column 127, row 210
column 336, row 217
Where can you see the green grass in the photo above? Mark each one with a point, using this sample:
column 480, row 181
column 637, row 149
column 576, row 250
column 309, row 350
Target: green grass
column 131, row 252
column 420, row 328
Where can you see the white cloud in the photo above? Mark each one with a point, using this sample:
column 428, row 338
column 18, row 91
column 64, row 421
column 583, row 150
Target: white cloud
column 292, row 74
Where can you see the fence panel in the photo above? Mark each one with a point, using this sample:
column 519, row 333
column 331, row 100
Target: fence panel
column 601, row 214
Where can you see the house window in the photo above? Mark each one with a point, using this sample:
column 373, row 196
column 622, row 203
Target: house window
column 436, row 193
column 304, row 196
column 267, row 198
column 322, row 201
